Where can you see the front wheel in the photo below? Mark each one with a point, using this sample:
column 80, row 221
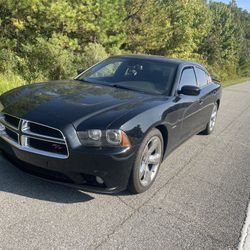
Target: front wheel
column 147, row 163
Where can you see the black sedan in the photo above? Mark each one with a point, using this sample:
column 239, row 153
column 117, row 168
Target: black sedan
column 111, row 127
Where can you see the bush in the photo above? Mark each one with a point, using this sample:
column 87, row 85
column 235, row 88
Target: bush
column 93, row 53
column 8, row 61
column 10, row 81
column 49, row 59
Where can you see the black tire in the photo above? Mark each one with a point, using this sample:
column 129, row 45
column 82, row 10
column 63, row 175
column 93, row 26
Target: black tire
column 135, row 186
column 208, row 130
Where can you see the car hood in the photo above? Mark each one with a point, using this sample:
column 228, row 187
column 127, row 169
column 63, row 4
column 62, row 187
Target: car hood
column 59, row 103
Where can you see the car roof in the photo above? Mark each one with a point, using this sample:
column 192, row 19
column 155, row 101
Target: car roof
column 160, row 59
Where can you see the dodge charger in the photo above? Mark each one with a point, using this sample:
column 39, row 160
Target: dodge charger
column 110, row 128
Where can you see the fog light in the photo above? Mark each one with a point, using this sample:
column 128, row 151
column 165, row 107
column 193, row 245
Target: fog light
column 99, row 180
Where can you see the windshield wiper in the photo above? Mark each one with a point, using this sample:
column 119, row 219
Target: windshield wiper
column 92, row 82
column 123, row 87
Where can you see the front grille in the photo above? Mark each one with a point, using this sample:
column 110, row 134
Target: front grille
column 12, row 121
column 42, row 130
column 33, row 137
column 12, row 135
column 49, row 146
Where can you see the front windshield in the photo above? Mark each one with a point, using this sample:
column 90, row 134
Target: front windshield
column 145, row 75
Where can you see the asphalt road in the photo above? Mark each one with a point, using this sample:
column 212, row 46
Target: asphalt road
column 199, row 200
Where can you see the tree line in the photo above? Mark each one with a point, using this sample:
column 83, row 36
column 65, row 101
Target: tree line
column 52, row 39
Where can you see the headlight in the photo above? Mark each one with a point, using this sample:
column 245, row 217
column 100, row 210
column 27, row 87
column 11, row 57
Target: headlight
column 114, row 136
column 95, row 134
column 104, row 138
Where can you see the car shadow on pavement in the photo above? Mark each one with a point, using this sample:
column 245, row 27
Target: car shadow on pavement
column 13, row 180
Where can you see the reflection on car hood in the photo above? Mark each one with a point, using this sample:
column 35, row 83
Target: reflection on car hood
column 68, row 101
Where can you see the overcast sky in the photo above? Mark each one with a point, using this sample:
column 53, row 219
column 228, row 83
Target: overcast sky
column 244, row 4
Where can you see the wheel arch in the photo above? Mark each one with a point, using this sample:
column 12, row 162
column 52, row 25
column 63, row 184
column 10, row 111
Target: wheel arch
column 218, row 103
column 164, row 131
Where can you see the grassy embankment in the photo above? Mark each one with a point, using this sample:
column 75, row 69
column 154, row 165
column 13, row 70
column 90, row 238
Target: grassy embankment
column 235, row 81
column 9, row 81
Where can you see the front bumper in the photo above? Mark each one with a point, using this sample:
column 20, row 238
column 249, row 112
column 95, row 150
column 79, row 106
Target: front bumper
column 80, row 168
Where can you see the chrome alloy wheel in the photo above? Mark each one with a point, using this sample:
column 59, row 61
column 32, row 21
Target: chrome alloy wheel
column 150, row 161
column 213, row 118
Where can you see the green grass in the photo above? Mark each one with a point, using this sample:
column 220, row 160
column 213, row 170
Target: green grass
column 235, row 81
column 10, row 81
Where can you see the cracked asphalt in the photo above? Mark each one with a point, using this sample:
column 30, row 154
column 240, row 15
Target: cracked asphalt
column 199, row 200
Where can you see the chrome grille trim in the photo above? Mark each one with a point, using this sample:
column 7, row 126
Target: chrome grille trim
column 26, row 130
column 24, row 134
column 6, row 124
column 7, row 138
column 42, row 139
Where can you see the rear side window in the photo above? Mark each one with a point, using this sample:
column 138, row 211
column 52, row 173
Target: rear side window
column 187, row 78
column 202, row 77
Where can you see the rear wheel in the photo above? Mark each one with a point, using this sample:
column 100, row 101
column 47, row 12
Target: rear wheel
column 212, row 122
column 148, row 160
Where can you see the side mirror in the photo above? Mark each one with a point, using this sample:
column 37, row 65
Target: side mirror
column 190, row 90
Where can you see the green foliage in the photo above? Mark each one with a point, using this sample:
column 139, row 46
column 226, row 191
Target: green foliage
column 147, row 27
column 52, row 39
column 9, row 81
column 93, row 53
column 221, row 47
column 191, row 22
column 52, row 58
column 8, row 60
column 244, row 62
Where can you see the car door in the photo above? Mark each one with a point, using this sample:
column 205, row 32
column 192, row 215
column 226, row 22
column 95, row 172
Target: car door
column 190, row 105
column 206, row 96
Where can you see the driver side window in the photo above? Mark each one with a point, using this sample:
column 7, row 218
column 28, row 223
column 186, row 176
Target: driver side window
column 187, row 78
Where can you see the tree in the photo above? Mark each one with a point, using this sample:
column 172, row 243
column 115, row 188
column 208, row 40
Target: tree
column 51, row 39
column 190, row 23
column 147, row 27
column 221, row 46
